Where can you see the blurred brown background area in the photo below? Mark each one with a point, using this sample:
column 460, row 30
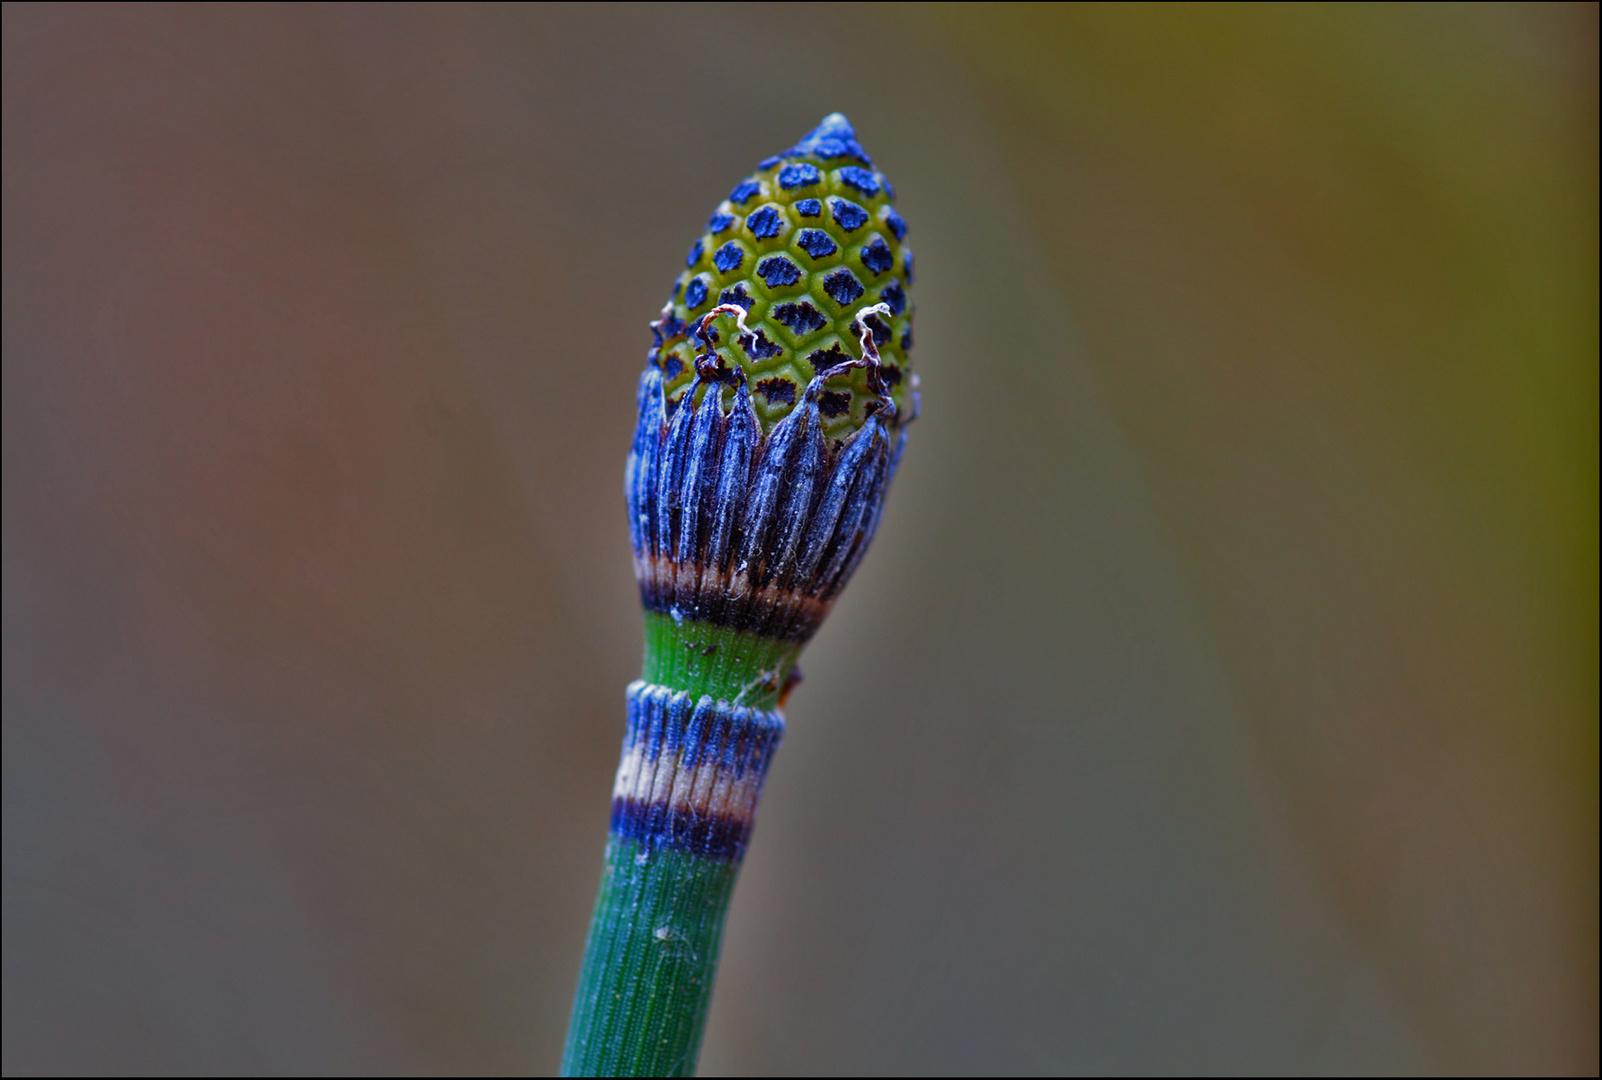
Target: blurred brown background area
column 1220, row 695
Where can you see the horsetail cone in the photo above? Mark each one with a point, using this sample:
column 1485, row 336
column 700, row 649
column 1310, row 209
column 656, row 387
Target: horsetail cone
column 772, row 414
column 804, row 246
column 792, row 319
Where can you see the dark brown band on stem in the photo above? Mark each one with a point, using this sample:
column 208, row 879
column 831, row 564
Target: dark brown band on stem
column 725, row 599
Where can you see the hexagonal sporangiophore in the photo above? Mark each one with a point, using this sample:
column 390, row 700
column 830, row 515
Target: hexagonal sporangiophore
column 803, row 245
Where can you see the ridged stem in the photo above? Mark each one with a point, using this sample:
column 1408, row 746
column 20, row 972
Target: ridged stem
column 701, row 658
column 648, row 969
column 686, row 791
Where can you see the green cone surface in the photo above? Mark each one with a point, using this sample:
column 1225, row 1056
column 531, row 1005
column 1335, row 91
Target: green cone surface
column 804, row 244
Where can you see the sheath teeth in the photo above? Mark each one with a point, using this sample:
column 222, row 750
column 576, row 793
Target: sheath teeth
column 756, row 533
column 691, row 771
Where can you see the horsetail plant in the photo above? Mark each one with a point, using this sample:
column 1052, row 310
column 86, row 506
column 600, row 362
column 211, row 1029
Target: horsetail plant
column 772, row 413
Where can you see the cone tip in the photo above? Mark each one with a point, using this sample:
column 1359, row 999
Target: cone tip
column 834, row 137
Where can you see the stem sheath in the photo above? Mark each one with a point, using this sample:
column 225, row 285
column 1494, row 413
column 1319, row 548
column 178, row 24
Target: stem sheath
column 702, row 728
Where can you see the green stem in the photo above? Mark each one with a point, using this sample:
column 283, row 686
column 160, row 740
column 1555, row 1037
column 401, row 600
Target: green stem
column 652, row 954
column 648, row 969
column 701, row 658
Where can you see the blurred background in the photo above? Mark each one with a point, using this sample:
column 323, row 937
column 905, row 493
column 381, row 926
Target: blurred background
column 1220, row 695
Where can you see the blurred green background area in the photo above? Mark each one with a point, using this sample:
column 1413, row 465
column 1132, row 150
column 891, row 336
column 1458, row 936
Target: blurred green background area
column 1221, row 692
